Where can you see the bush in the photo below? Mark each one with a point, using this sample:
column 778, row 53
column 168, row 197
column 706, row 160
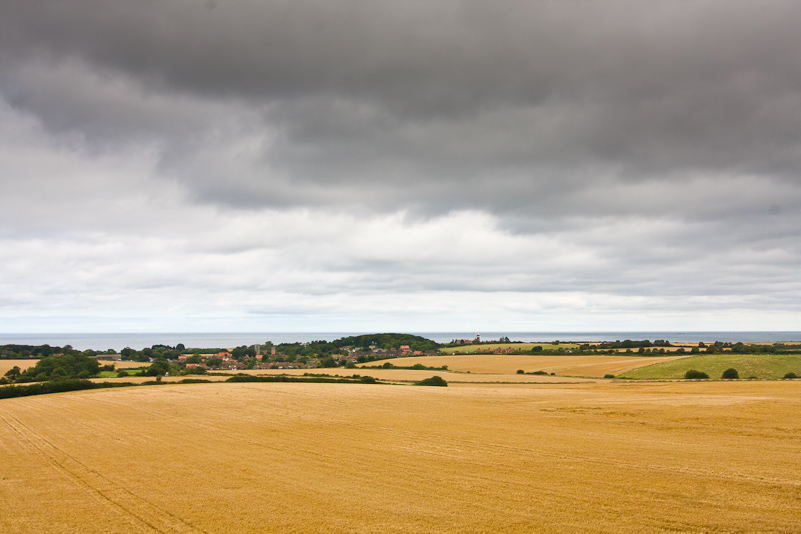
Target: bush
column 791, row 375
column 328, row 362
column 433, row 381
column 609, row 376
column 521, row 372
column 730, row 374
column 122, row 374
column 367, row 380
column 692, row 374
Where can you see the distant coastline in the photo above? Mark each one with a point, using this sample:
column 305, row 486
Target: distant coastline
column 138, row 341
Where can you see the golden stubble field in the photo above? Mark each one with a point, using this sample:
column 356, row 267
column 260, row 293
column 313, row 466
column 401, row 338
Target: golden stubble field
column 231, row 458
column 508, row 364
column 7, row 365
column 409, row 375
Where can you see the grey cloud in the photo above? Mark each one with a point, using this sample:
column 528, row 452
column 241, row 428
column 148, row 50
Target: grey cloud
column 533, row 98
column 624, row 150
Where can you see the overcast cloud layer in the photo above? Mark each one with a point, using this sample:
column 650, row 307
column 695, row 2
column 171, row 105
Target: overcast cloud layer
column 281, row 165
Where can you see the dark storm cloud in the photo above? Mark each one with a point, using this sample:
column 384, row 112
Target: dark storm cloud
column 471, row 104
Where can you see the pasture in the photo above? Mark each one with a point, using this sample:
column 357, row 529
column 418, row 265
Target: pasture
column 508, row 364
column 765, row 366
column 242, row 458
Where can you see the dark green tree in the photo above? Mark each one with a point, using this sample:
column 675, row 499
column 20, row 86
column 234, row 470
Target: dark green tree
column 13, row 373
column 731, row 374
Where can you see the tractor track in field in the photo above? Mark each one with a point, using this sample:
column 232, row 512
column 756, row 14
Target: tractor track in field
column 139, row 510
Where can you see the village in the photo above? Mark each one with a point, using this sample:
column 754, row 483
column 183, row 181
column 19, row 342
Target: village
column 225, row 360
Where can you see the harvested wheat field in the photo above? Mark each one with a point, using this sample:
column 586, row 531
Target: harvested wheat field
column 586, row 366
column 238, row 458
column 7, row 365
column 127, row 364
column 411, row 375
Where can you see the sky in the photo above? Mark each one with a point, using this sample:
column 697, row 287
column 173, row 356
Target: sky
column 266, row 165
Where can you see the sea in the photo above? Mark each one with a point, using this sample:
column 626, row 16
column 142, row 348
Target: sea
column 138, row 341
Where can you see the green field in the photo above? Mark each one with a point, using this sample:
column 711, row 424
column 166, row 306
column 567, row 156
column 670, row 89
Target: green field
column 464, row 349
column 107, row 374
column 747, row 365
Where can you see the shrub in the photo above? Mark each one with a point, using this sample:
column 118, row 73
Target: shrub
column 433, row 381
column 367, row 380
column 609, row 376
column 791, row 375
column 521, row 372
column 122, row 374
column 693, row 374
column 730, row 374
column 328, row 362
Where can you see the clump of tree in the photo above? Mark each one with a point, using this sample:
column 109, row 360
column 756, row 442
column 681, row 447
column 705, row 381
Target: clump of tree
column 240, row 353
column 22, row 352
column 694, row 374
column 730, row 374
column 157, row 352
column 633, row 344
column 387, row 342
column 433, row 381
column 71, row 365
